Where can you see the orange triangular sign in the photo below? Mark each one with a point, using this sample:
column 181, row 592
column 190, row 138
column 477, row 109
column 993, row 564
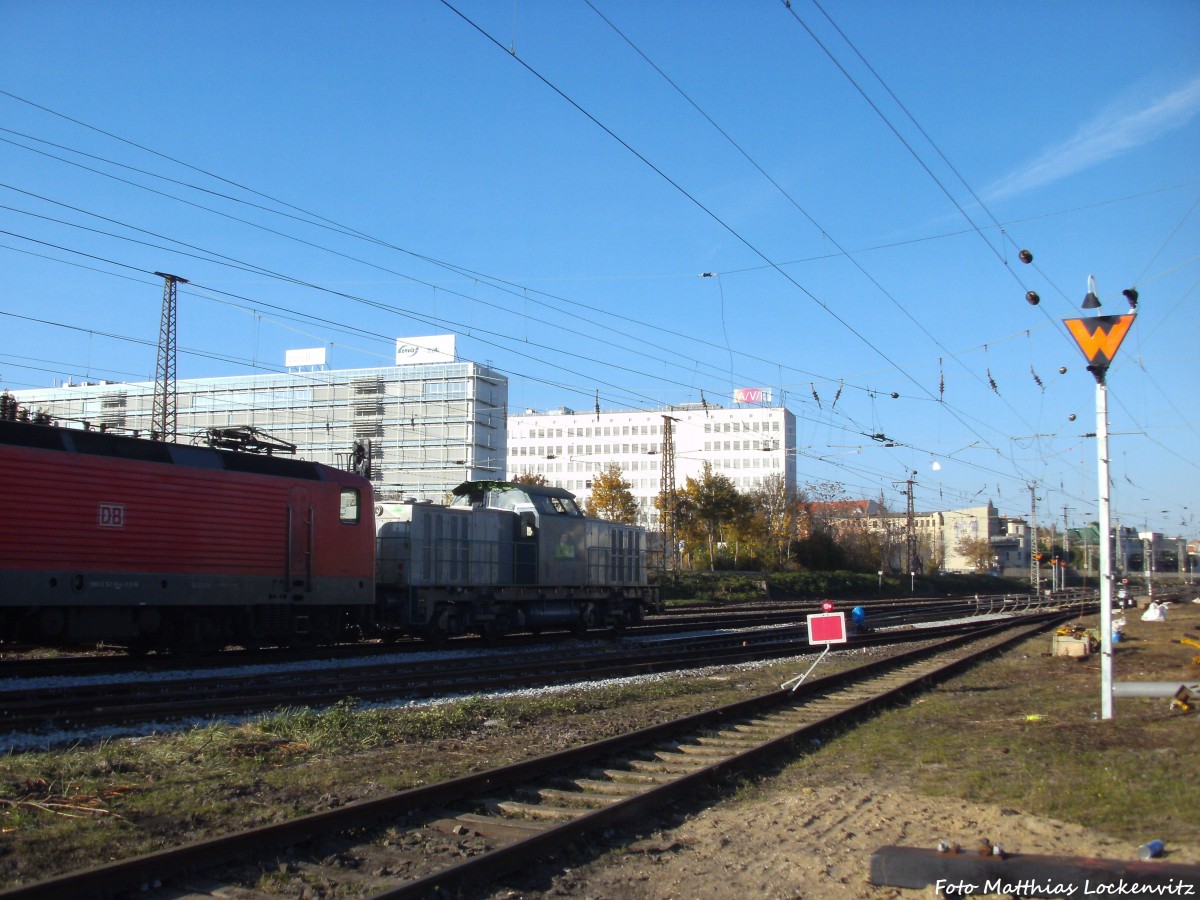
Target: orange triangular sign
column 1099, row 337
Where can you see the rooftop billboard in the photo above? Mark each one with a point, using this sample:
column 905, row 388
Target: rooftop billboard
column 432, row 349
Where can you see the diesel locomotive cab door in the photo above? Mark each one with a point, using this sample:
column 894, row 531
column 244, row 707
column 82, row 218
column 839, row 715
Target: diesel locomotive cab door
column 299, row 541
column 525, row 549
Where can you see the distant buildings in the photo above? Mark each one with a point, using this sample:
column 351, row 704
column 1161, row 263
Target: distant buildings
column 1130, row 550
column 940, row 541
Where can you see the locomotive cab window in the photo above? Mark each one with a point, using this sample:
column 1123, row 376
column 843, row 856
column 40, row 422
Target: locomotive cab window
column 350, row 512
column 556, row 506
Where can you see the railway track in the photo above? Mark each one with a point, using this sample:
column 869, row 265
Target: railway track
column 31, row 710
column 464, row 832
column 25, row 663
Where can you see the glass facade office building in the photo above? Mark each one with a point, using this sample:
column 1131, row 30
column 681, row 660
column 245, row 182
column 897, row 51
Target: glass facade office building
column 430, row 426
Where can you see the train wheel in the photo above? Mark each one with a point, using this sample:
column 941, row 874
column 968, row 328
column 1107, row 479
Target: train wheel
column 193, row 632
column 441, row 628
column 587, row 619
column 490, row 632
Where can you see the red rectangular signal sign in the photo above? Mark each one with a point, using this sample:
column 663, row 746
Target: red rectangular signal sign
column 827, row 628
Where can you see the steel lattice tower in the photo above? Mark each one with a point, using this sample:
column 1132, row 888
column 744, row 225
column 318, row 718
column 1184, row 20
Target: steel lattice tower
column 912, row 529
column 666, row 518
column 164, row 424
column 1035, row 563
column 910, row 534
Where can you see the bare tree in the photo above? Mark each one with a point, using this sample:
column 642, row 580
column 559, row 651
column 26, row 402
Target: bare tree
column 818, row 506
column 776, row 510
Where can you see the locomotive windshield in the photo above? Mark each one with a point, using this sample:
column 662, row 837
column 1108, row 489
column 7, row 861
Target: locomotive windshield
column 555, row 506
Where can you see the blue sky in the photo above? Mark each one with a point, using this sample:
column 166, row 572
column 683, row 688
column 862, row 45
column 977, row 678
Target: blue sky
column 551, row 180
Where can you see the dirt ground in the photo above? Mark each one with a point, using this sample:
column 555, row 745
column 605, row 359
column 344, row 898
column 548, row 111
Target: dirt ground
column 796, row 841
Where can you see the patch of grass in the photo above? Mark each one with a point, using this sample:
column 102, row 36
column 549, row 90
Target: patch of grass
column 341, row 727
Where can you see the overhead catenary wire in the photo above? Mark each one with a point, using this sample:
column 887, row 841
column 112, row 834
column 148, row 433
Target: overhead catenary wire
column 975, row 228
column 842, row 251
column 299, row 281
column 500, row 284
column 946, row 160
column 198, row 285
column 694, row 200
column 273, row 231
column 293, row 280
column 342, row 231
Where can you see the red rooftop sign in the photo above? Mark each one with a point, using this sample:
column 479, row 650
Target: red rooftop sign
column 751, row 395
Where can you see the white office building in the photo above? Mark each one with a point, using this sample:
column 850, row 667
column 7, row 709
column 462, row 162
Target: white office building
column 745, row 443
column 430, row 422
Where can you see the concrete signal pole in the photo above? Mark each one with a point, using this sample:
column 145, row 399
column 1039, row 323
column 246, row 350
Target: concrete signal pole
column 1099, row 337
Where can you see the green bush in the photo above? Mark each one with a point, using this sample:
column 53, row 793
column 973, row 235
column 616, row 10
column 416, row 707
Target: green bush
column 726, row 587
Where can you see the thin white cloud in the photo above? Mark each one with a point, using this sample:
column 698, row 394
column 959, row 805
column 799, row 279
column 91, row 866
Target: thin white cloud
column 1115, row 131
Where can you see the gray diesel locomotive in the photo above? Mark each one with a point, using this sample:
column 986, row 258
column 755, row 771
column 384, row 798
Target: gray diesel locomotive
column 506, row 557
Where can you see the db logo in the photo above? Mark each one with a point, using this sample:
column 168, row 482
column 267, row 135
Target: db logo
column 111, row 515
